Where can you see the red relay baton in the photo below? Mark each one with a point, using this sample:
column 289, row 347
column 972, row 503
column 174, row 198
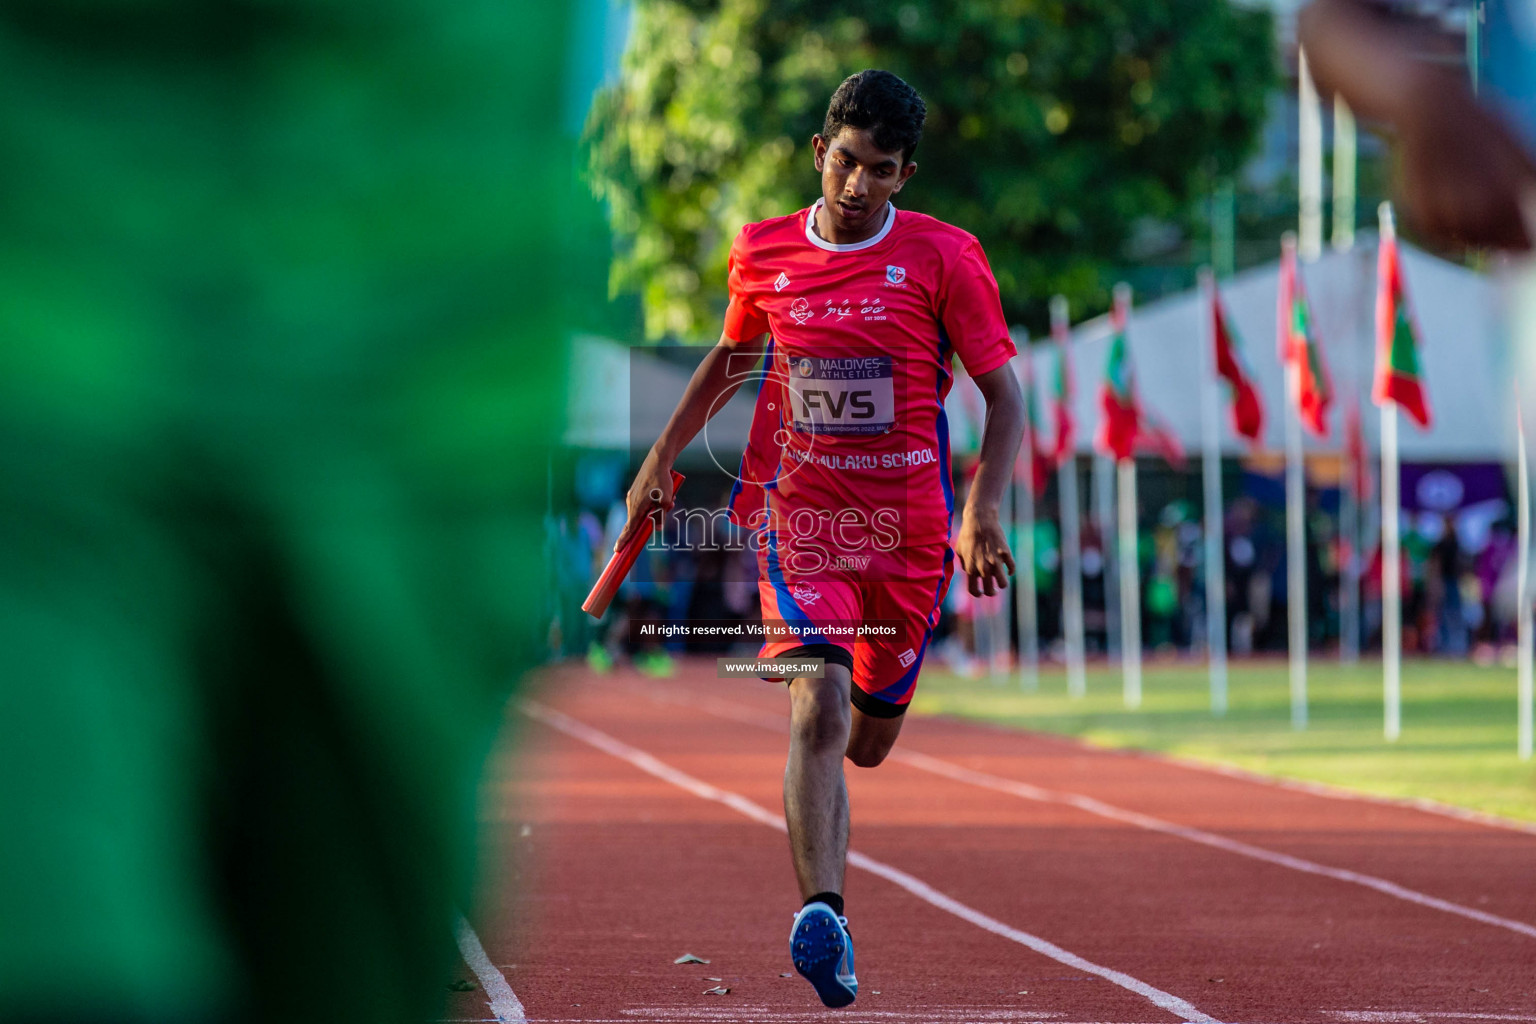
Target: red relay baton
column 622, row 561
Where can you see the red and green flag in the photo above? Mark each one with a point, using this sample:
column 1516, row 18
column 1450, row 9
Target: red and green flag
column 1157, row 437
column 1120, row 409
column 1299, row 346
column 1398, row 374
column 1061, row 391
column 1247, row 409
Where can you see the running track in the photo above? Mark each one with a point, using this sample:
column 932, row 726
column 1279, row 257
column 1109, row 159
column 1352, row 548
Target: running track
column 998, row 877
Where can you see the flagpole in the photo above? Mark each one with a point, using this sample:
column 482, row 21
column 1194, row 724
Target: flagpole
column 1520, row 295
column 1349, row 567
column 1523, row 592
column 1344, row 149
column 1130, row 586
column 1071, row 541
column 1130, row 571
column 1310, row 140
column 1391, row 546
column 1001, row 639
column 1391, row 576
column 1310, row 147
column 1295, row 535
column 983, row 612
column 1026, row 608
column 1104, row 510
column 1072, row 577
column 1215, row 542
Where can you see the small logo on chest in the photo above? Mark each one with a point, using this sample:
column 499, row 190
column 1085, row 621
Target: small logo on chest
column 896, row 276
column 781, row 282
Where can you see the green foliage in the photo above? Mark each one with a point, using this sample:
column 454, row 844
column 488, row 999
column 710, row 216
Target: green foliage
column 1054, row 127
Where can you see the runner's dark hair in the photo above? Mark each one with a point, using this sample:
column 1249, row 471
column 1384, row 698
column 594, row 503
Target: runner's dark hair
column 882, row 104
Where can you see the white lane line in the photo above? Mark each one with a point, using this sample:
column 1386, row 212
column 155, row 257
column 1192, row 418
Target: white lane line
column 646, row 763
column 1419, row 1016
column 1092, row 806
column 1231, row 771
column 750, row 1015
column 504, row 1002
column 928, row 1015
column 1195, row 835
column 1322, row 789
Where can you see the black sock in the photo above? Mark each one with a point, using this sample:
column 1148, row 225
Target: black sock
column 831, row 899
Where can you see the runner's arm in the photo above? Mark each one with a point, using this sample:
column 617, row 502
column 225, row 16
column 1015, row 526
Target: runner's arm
column 710, row 388
column 981, row 545
column 1461, row 174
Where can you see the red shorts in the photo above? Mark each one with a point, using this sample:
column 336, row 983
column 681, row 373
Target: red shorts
column 874, row 617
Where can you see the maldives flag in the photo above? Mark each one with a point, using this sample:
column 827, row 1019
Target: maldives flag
column 1398, row 378
column 1061, row 384
column 1157, row 437
column 1247, row 410
column 1120, row 409
column 1298, row 344
column 1040, row 459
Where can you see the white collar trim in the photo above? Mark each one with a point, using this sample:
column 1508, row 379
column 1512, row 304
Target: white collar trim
column 822, row 243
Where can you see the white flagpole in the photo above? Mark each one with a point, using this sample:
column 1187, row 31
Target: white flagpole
column 1215, row 542
column 1344, row 149
column 1523, row 592
column 1310, row 151
column 1104, row 512
column 1130, row 587
column 1349, row 570
column 1071, row 542
column 998, row 624
column 1310, row 246
column 1130, row 571
column 1391, row 577
column 1295, row 551
column 1391, row 547
column 1520, row 296
column 1072, row 578
column 983, row 611
column 1026, row 608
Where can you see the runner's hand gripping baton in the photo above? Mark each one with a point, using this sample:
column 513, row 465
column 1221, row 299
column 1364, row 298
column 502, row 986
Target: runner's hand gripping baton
column 622, row 561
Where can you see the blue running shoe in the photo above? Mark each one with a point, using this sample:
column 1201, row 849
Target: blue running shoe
column 823, row 953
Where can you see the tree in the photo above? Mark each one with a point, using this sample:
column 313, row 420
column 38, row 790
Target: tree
column 1055, row 128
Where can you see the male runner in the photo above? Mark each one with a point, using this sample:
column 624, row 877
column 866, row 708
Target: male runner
column 847, row 471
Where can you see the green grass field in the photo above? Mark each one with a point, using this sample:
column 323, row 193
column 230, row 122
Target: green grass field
column 1457, row 744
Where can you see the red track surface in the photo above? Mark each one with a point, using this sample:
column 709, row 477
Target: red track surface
column 617, row 872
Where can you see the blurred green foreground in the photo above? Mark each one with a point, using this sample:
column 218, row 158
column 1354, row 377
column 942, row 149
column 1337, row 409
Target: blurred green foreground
column 282, row 287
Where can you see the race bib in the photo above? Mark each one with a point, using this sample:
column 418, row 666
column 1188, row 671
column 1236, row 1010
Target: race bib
column 842, row 395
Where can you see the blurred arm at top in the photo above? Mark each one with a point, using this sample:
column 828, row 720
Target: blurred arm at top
column 1461, row 171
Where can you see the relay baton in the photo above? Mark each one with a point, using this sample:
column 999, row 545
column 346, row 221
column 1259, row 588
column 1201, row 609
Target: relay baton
column 622, row 561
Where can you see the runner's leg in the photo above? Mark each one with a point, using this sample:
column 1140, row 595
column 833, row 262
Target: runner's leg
column 815, row 796
column 906, row 593
column 871, row 738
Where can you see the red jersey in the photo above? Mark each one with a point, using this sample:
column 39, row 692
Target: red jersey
column 850, row 413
